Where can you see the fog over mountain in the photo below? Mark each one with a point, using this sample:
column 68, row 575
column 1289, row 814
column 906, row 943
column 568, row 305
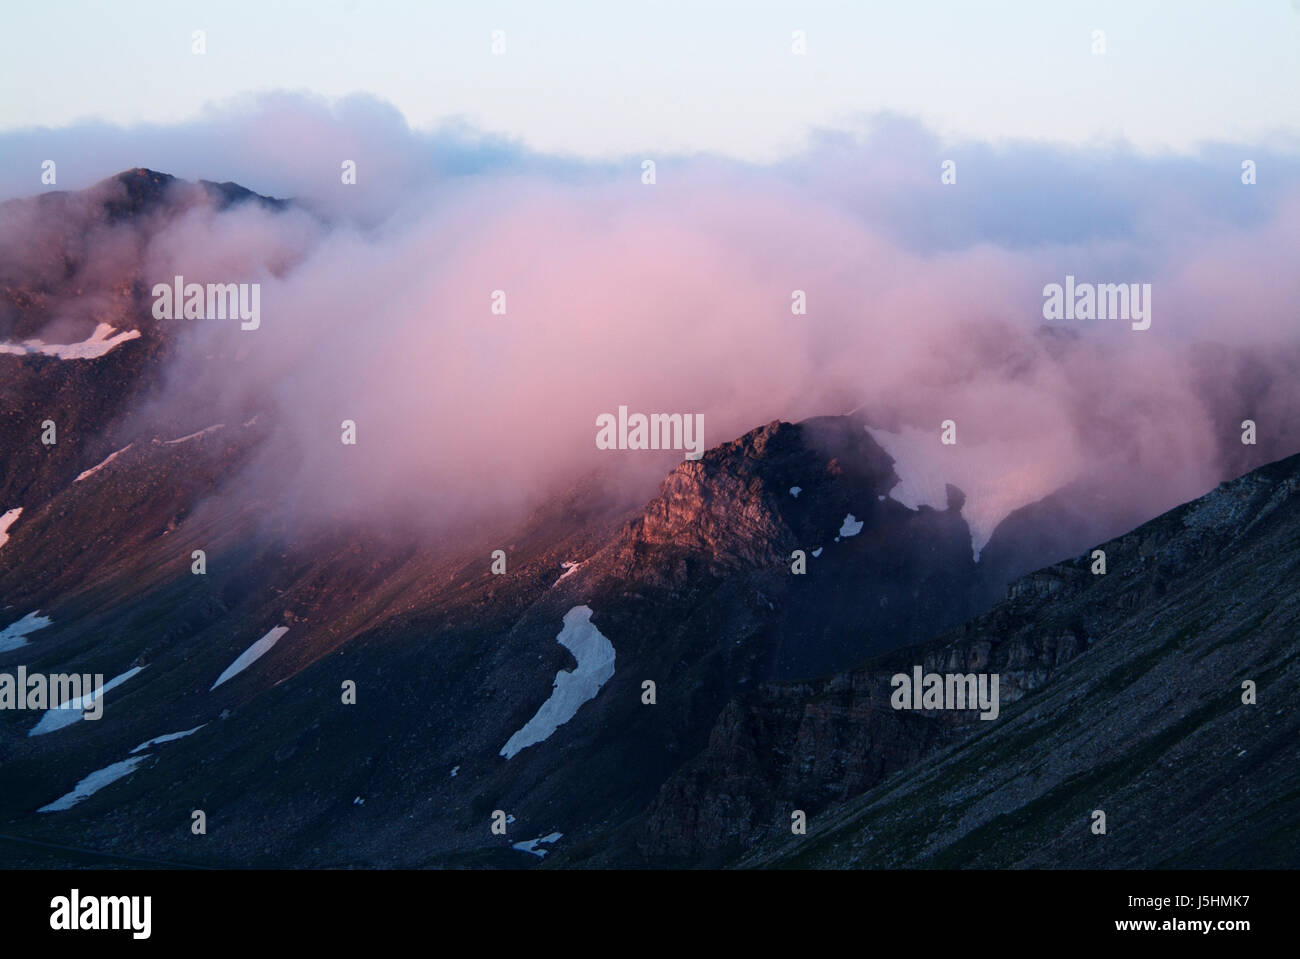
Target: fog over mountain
column 904, row 466
column 924, row 303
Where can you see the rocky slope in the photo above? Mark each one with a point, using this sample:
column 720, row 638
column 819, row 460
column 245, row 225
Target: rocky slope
column 694, row 588
column 450, row 659
column 1122, row 692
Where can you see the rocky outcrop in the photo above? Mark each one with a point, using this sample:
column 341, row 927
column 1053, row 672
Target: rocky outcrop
column 1123, row 691
column 809, row 745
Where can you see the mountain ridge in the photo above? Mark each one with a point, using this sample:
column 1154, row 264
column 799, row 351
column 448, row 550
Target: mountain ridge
column 763, row 698
column 1041, row 632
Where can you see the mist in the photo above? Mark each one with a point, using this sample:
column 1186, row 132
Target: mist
column 924, row 303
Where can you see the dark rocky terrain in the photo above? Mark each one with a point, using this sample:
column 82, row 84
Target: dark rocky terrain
column 1112, row 685
column 1122, row 692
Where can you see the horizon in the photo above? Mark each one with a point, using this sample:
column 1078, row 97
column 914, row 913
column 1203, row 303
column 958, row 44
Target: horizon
column 687, row 77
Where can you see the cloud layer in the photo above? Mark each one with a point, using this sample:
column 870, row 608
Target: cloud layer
column 924, row 304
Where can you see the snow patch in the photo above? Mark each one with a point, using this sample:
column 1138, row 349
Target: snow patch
column 194, row 436
column 569, row 569
column 251, row 655
column 100, row 342
column 111, row 774
column 817, row 551
column 531, row 844
column 850, row 526
column 795, row 491
column 6, row 521
column 14, row 635
column 95, row 469
column 454, row 770
column 94, row 783
column 69, row 711
column 595, row 656
column 170, row 737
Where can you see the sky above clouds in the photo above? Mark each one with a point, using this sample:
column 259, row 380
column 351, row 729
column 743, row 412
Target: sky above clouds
column 599, row 80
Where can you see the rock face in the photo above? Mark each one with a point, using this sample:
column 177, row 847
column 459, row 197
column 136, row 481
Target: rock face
column 1121, row 692
column 729, row 521
column 809, row 745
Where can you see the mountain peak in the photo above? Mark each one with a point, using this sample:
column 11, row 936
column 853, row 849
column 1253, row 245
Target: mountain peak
column 140, row 189
column 735, row 503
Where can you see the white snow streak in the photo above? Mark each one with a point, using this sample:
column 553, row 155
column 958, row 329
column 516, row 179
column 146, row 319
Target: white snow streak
column 251, row 655
column 170, row 737
column 194, row 436
column 6, row 521
column 569, row 569
column 531, row 844
column 111, row 774
column 100, row 342
column 94, row 783
column 95, row 469
column 70, row 712
column 595, row 656
column 14, row 635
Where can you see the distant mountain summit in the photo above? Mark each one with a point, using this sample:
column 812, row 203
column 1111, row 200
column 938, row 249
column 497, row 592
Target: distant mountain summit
column 143, row 190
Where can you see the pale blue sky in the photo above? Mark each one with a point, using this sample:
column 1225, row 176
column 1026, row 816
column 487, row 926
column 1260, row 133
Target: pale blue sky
column 606, row 78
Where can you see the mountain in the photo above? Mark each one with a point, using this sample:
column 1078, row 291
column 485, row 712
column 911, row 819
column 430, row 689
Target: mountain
column 694, row 590
column 78, row 340
column 345, row 694
column 1122, row 692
